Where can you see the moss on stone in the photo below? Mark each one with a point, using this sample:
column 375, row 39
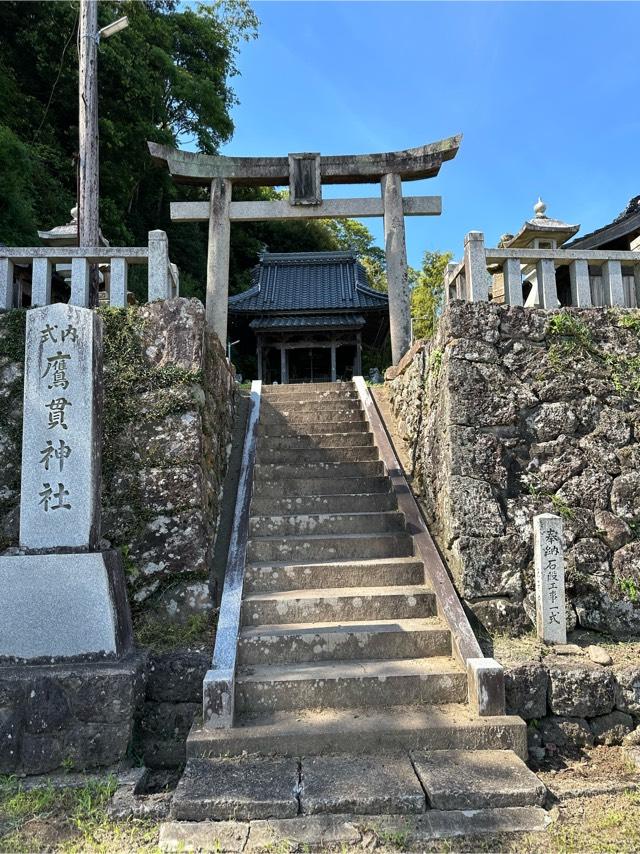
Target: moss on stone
column 129, row 382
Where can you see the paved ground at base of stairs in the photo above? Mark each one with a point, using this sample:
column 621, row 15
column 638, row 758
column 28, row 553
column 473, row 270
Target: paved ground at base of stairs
column 597, row 810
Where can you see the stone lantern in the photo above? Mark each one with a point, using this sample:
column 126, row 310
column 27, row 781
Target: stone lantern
column 540, row 232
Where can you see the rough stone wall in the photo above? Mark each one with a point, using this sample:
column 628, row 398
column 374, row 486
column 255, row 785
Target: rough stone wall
column 75, row 715
column 168, row 414
column 572, row 701
column 510, row 412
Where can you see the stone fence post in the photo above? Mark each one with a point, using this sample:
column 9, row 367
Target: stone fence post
column 475, row 266
column 159, row 283
column 7, row 296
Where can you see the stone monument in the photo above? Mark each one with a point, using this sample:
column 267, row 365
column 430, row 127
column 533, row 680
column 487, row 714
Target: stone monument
column 548, row 545
column 62, row 597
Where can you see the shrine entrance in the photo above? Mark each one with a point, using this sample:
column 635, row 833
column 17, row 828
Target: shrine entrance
column 321, row 359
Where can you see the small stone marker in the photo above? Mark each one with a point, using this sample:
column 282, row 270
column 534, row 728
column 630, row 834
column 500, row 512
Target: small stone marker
column 61, row 442
column 548, row 545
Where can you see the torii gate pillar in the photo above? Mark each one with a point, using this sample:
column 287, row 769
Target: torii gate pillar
column 305, row 174
column 395, row 247
column 216, row 305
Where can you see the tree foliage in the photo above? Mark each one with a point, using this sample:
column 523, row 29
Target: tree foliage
column 166, row 78
column 428, row 293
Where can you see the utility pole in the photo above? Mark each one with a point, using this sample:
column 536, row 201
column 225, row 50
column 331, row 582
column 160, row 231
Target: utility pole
column 88, row 144
column 88, row 184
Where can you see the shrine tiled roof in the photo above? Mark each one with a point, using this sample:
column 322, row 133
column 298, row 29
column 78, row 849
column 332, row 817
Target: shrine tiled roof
column 308, row 282
column 309, row 321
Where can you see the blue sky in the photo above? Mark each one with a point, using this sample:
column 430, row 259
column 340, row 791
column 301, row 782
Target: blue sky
column 547, row 96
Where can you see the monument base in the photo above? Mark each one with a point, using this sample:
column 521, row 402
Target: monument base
column 74, row 714
column 60, row 606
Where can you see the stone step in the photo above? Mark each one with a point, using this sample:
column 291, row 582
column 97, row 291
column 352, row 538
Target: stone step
column 351, row 832
column 278, row 577
column 323, row 548
column 326, row 524
column 302, row 469
column 303, row 443
column 255, row 787
column 376, row 502
column 316, row 486
column 311, row 400
column 361, row 730
column 475, row 780
column 345, row 684
column 294, row 406
column 293, row 456
column 312, row 428
column 295, row 416
column 305, row 388
column 337, row 604
column 377, row 640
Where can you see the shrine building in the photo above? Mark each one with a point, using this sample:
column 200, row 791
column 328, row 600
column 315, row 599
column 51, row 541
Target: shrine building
column 307, row 316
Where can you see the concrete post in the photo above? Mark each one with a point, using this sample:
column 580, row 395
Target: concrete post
column 397, row 278
column 218, row 257
column 448, row 275
column 636, row 282
column 7, row 296
column 80, row 283
column 159, row 266
column 118, row 283
column 475, row 266
column 333, row 362
column 547, row 292
column 580, row 284
column 485, row 680
column 612, row 283
column 41, row 282
column 512, row 281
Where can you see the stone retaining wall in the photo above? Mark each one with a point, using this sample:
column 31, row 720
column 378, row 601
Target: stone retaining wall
column 510, row 412
column 173, row 699
column 75, row 715
column 573, row 701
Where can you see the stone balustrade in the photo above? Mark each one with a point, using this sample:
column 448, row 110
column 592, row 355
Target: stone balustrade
column 581, row 278
column 163, row 277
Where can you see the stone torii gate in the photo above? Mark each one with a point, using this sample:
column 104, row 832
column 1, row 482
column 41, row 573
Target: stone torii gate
column 305, row 173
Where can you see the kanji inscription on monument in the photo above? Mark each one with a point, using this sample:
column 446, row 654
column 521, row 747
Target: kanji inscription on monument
column 60, row 491
column 548, row 544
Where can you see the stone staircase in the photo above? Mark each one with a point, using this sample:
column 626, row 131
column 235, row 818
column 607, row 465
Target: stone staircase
column 340, row 648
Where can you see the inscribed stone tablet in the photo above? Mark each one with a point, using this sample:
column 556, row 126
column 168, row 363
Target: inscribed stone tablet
column 548, row 545
column 61, row 442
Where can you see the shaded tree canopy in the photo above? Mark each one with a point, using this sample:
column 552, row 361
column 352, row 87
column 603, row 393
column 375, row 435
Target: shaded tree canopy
column 166, row 78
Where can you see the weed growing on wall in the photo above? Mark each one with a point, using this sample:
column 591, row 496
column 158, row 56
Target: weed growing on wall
column 572, row 340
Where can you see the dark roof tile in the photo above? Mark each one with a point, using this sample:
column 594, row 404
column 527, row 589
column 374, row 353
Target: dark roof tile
column 308, row 281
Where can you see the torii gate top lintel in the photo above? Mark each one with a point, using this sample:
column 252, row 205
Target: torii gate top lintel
column 189, row 167
column 305, row 173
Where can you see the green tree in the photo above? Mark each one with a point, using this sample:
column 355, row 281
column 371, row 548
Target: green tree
column 428, row 293
column 165, row 78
